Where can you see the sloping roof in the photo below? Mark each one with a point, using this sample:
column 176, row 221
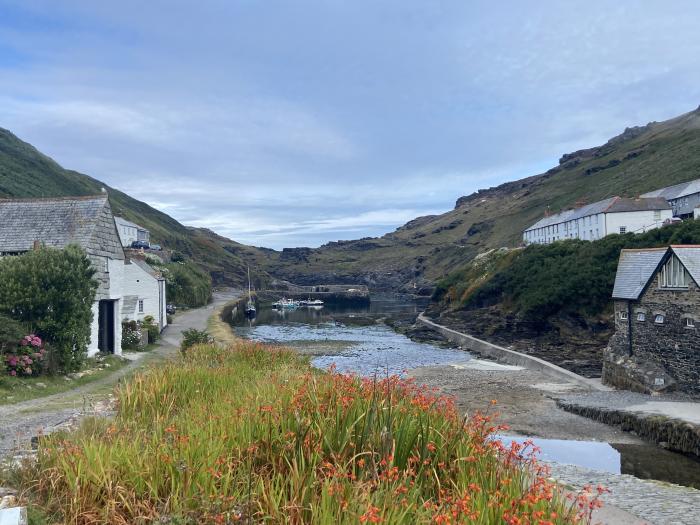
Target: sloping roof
column 611, row 205
column 689, row 256
column 677, row 190
column 636, row 267
column 124, row 222
column 146, row 268
column 641, row 204
column 634, row 270
column 55, row 222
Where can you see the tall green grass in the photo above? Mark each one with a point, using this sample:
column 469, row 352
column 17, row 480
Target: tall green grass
column 251, row 433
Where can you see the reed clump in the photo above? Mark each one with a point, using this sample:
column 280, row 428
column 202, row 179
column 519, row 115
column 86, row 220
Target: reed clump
column 250, row 433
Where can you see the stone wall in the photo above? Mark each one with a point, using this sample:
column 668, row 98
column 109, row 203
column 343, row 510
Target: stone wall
column 663, row 356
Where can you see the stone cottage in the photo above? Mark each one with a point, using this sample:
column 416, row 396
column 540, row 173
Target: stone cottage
column 87, row 222
column 144, row 293
column 656, row 345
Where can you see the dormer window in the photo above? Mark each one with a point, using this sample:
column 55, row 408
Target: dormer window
column 673, row 274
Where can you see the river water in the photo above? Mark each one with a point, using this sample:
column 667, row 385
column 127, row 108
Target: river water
column 348, row 338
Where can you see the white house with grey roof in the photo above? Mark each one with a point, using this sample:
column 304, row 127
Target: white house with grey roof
column 683, row 197
column 144, row 293
column 656, row 344
column 595, row 221
column 130, row 232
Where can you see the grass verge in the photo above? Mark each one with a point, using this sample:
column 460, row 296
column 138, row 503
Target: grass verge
column 252, row 433
column 220, row 330
column 17, row 389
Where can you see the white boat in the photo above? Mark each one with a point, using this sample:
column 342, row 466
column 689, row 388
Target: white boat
column 311, row 302
column 285, row 303
column 250, row 310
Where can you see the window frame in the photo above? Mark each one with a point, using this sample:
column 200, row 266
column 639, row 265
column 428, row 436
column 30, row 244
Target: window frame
column 641, row 317
column 623, row 230
column 659, row 319
column 140, row 306
column 689, row 322
column 624, row 316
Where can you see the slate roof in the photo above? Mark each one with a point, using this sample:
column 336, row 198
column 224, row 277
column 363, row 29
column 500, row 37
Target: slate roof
column 124, row 222
column 634, row 270
column 611, row 205
column 636, row 267
column 676, row 191
column 55, row 222
column 146, row 268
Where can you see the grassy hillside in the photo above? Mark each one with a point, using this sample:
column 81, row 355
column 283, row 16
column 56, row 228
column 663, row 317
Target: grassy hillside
column 419, row 253
column 25, row 172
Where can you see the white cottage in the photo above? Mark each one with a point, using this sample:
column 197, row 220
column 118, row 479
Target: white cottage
column 89, row 223
column 602, row 218
column 144, row 293
column 130, row 232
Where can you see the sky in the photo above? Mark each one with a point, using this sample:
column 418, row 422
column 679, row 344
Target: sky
column 294, row 123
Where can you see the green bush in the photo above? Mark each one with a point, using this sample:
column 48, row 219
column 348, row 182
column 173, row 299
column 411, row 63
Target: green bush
column 11, row 331
column 186, row 284
column 52, row 291
column 192, row 337
column 149, row 323
column 570, row 277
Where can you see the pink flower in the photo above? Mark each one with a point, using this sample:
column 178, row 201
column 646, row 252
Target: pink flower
column 13, row 373
column 24, row 342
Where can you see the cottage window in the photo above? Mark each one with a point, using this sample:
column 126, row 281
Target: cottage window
column 673, row 274
column 623, row 229
column 140, row 306
column 641, row 317
column 657, row 215
column 623, row 316
column 690, row 322
column 659, row 319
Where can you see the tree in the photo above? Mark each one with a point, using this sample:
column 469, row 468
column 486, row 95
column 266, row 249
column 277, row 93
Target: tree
column 52, row 291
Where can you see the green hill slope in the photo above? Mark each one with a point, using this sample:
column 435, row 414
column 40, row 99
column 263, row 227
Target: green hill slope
column 26, row 172
column 416, row 255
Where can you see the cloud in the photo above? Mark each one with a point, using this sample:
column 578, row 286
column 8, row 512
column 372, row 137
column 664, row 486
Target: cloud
column 282, row 123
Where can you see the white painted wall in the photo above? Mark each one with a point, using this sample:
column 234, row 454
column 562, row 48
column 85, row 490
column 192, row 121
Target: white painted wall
column 116, row 285
column 597, row 226
column 636, row 221
column 147, row 288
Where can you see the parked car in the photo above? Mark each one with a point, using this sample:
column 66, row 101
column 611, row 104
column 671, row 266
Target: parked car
column 170, row 309
column 156, row 247
column 140, row 244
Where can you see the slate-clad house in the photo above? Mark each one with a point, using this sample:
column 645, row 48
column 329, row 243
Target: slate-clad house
column 683, row 197
column 656, row 345
column 87, row 222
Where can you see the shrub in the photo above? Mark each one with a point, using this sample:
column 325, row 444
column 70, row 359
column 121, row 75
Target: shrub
column 11, row 331
column 149, row 323
column 131, row 335
column 192, row 337
column 571, row 277
column 187, row 285
column 52, row 292
column 28, row 358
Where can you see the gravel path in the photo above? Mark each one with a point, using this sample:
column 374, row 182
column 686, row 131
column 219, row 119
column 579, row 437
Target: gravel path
column 22, row 421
